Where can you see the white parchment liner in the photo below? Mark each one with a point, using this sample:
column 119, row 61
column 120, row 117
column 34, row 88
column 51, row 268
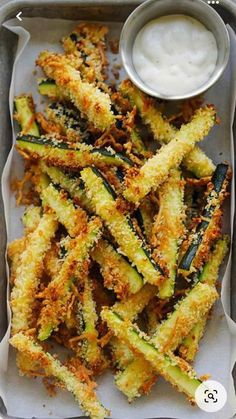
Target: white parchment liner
column 28, row 398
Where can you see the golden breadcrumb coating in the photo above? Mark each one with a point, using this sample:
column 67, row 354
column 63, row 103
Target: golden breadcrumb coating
column 155, row 171
column 91, row 102
column 29, row 271
column 196, row 161
column 83, row 392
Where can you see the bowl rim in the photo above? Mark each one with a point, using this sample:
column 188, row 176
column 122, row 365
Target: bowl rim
column 133, row 74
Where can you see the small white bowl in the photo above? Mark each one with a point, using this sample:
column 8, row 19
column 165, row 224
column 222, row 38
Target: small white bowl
column 152, row 9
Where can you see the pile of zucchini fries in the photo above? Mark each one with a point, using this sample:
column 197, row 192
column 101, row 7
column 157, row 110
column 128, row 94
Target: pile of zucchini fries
column 122, row 245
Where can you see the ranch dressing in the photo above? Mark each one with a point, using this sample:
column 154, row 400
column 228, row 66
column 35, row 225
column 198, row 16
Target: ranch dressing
column 174, row 54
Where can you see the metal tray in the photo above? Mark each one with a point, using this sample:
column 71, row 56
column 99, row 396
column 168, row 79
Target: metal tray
column 100, row 10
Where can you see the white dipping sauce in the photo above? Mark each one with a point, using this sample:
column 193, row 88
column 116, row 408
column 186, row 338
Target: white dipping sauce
column 174, row 54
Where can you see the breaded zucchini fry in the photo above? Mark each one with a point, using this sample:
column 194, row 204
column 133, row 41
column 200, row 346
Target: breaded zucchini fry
column 71, row 124
column 196, row 161
column 91, row 102
column 91, row 351
column 14, row 252
column 168, row 335
column 53, row 261
column 209, row 275
column 31, row 218
column 156, row 169
column 73, row 218
column 57, row 152
column 87, row 41
column 58, row 293
column 130, row 307
column 137, row 142
column 136, row 379
column 118, row 274
column 187, row 312
column 84, row 395
column 103, row 198
column 189, row 347
column 121, row 354
column 29, row 271
column 145, row 214
column 207, row 230
column 172, row 368
column 71, row 183
column 25, row 115
column 168, row 228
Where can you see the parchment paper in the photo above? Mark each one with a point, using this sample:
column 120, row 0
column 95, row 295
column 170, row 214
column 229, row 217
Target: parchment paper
column 28, row 398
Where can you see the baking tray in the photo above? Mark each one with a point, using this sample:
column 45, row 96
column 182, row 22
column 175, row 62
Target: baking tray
column 116, row 10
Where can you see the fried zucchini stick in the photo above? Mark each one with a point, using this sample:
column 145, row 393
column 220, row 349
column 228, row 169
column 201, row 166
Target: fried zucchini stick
column 73, row 218
column 68, row 120
column 87, row 42
column 31, row 218
column 91, row 102
column 83, row 393
column 196, row 161
column 145, row 217
column 14, row 252
column 208, row 228
column 28, row 272
column 73, row 184
column 118, row 274
column 209, row 275
column 123, row 357
column 25, row 115
column 103, row 198
column 58, row 293
column 167, row 337
column 91, row 351
column 58, row 152
column 168, row 228
column 174, row 370
column 156, row 169
column 130, row 307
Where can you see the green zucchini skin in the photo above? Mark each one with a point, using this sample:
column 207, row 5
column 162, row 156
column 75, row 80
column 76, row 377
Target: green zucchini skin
column 121, row 227
column 137, row 142
column 72, row 217
column 72, row 183
column 219, row 179
column 111, row 191
column 48, row 87
column 24, row 114
column 61, row 153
